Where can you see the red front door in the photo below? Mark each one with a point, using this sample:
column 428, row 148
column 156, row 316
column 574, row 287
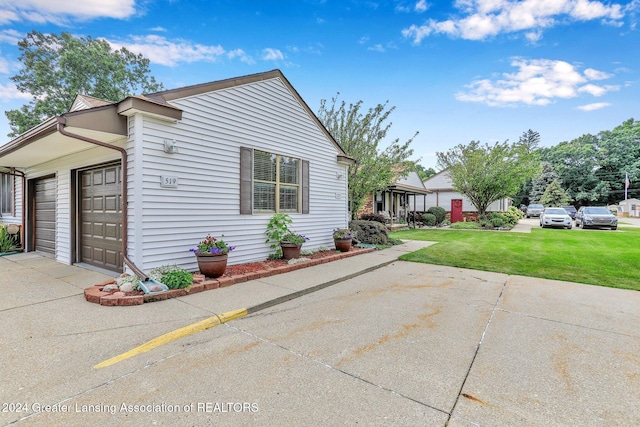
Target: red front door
column 456, row 210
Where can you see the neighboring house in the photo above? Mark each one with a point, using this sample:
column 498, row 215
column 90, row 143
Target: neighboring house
column 145, row 179
column 456, row 204
column 629, row 207
column 398, row 199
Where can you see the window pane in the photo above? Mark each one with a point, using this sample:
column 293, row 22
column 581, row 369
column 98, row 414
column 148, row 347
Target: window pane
column 288, row 199
column 264, row 197
column 288, row 170
column 6, row 190
column 264, row 166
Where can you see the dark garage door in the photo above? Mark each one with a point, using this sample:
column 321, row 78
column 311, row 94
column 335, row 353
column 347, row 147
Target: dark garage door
column 45, row 215
column 101, row 217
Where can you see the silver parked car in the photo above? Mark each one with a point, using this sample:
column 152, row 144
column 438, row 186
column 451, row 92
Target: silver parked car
column 534, row 210
column 555, row 217
column 596, row 216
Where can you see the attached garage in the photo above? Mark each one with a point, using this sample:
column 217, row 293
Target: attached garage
column 44, row 215
column 101, row 216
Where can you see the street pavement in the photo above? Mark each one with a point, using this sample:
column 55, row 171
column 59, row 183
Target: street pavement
column 395, row 343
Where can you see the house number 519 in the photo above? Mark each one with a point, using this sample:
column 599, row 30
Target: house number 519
column 168, row 181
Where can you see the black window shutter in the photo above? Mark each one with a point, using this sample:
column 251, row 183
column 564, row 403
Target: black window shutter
column 305, row 186
column 246, row 180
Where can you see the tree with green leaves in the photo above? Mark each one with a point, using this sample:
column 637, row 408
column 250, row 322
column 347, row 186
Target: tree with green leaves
column 360, row 135
column 554, row 195
column 540, row 183
column 56, row 68
column 486, row 173
column 423, row 172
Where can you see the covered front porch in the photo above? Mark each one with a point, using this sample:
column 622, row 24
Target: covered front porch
column 397, row 202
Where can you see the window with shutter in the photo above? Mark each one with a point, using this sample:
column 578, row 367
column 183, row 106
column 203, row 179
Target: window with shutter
column 278, row 183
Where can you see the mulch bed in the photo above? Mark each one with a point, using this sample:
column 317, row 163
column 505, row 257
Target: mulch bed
column 95, row 293
column 236, row 270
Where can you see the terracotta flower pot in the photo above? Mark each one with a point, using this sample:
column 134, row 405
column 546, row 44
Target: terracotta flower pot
column 290, row 250
column 343, row 245
column 212, row 265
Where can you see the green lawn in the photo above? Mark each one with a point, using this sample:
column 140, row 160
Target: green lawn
column 599, row 257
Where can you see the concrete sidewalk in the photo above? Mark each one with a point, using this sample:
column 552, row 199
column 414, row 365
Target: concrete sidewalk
column 401, row 343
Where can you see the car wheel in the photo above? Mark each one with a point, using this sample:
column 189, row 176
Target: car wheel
column 569, row 227
column 614, row 228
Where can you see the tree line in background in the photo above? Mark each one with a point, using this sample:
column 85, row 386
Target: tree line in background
column 590, row 170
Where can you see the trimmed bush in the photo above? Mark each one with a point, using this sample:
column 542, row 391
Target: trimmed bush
column 429, row 219
column 373, row 217
column 439, row 212
column 371, row 232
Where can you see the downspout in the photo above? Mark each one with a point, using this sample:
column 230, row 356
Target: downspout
column 61, row 124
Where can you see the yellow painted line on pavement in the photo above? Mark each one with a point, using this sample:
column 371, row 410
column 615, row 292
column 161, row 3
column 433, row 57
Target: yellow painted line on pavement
column 210, row 322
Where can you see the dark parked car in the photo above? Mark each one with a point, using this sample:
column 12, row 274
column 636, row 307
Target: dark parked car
column 571, row 211
column 596, row 216
column 534, row 210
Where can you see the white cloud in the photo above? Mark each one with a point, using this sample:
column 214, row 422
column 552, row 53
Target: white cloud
column 596, row 90
column 162, row 51
column 594, row 106
column 421, row 6
column 10, row 91
column 596, row 75
column 271, row 54
column 10, row 36
column 376, row 48
column 43, row 11
column 536, row 82
column 481, row 19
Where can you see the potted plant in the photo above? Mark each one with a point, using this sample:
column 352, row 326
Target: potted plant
column 212, row 255
column 342, row 238
column 283, row 240
column 291, row 243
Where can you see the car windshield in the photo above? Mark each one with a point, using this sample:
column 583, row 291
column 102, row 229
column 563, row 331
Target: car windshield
column 555, row 211
column 536, row 206
column 597, row 211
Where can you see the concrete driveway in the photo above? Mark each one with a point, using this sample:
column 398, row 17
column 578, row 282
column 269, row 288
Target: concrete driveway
column 396, row 343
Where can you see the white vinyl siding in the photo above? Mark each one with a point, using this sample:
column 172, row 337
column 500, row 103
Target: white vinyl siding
column 263, row 116
column 443, row 193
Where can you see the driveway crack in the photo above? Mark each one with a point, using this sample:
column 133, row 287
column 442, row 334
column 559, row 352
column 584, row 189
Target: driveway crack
column 475, row 354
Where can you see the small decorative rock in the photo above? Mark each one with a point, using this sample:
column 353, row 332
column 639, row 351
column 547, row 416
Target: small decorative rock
column 127, row 287
column 298, row 260
column 155, row 288
column 109, row 288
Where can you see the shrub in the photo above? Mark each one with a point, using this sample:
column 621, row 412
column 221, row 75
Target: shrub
column 429, row 219
column 173, row 276
column 439, row 212
column 370, row 232
column 373, row 217
column 5, row 240
column 465, row 225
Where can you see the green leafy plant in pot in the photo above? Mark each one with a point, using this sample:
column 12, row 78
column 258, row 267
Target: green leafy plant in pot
column 285, row 242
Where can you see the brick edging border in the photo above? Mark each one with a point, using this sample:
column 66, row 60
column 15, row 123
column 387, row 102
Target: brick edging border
column 95, row 294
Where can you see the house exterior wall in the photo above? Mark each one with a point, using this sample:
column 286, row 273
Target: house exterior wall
column 443, row 194
column 166, row 222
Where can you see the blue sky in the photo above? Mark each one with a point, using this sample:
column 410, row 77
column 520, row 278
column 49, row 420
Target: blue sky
column 484, row 70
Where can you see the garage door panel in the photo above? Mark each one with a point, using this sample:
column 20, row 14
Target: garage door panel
column 101, row 217
column 45, row 215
